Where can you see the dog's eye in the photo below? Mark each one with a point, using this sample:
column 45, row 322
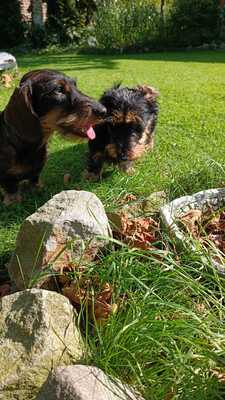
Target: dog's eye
column 60, row 89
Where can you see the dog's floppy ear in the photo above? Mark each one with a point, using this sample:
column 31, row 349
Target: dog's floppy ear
column 20, row 115
column 149, row 92
column 27, row 91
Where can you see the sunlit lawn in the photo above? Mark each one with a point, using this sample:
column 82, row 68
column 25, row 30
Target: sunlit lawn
column 188, row 156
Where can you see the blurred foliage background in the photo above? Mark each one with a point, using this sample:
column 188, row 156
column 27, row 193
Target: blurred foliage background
column 114, row 25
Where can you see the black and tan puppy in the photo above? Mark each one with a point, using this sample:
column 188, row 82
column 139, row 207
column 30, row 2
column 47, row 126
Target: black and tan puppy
column 45, row 101
column 128, row 130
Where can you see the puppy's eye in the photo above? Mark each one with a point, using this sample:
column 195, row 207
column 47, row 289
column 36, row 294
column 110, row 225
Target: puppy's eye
column 60, row 89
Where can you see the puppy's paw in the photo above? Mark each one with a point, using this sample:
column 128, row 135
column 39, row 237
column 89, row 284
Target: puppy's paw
column 12, row 198
column 127, row 167
column 91, row 176
column 39, row 186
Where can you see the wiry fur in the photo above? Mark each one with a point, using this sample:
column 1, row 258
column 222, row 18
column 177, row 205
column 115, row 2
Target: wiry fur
column 127, row 131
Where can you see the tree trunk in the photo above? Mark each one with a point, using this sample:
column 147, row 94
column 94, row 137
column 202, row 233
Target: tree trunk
column 162, row 4
column 37, row 15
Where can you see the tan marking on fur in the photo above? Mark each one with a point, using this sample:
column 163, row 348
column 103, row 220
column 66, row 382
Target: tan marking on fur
column 111, row 150
column 124, row 118
column 144, row 137
column 91, row 176
column 12, row 198
column 147, row 138
column 49, row 123
column 148, row 91
column 136, row 152
column 150, row 144
column 131, row 117
column 97, row 156
column 68, row 120
column 18, row 169
column 118, row 117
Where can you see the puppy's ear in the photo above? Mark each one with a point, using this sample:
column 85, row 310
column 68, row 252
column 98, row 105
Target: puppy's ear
column 149, row 92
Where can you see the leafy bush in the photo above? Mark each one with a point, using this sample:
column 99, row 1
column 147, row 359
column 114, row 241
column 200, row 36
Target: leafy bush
column 124, row 24
column 68, row 19
column 12, row 28
column 193, row 22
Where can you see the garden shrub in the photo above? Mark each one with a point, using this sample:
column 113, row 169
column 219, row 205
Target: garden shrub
column 68, row 19
column 193, row 22
column 11, row 26
column 127, row 24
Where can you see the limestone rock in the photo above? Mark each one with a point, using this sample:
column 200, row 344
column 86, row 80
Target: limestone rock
column 37, row 333
column 80, row 382
column 65, row 228
column 7, row 61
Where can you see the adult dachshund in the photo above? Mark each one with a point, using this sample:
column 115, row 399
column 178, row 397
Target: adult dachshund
column 45, row 101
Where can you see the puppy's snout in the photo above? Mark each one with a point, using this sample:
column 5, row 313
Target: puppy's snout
column 99, row 110
column 123, row 157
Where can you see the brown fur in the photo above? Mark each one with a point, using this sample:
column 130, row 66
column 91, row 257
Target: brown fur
column 44, row 102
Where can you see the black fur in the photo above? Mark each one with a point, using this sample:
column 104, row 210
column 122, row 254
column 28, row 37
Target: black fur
column 127, row 130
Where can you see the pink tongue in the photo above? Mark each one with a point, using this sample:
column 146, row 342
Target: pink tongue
column 91, row 133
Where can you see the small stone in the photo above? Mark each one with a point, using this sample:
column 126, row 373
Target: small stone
column 7, row 61
column 81, row 382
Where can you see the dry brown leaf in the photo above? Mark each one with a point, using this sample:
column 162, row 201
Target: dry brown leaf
column 220, row 375
column 75, row 294
column 191, row 219
column 200, row 307
column 6, row 80
column 100, row 305
column 127, row 198
column 66, row 179
column 138, row 232
column 205, row 227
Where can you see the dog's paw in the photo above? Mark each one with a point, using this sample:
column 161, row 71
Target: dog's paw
column 127, row 167
column 39, row 185
column 12, row 198
column 91, row 176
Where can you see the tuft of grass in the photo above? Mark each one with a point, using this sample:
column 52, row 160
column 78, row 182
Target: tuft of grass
column 167, row 338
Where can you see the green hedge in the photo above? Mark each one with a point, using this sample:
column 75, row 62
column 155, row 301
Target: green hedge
column 122, row 24
column 193, row 22
column 125, row 24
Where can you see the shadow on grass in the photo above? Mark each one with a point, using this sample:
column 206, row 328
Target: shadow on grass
column 68, row 160
column 201, row 56
column 80, row 62
column 68, row 62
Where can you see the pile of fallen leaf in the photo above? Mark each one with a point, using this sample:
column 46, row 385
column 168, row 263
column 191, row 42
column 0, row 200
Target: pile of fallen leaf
column 139, row 232
column 89, row 294
column 206, row 227
column 6, row 80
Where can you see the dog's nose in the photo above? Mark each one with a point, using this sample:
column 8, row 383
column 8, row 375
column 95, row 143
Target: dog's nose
column 99, row 110
column 123, row 157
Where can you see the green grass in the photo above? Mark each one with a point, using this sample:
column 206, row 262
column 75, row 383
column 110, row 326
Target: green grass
column 159, row 340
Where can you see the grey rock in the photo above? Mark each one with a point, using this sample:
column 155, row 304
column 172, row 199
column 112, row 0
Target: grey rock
column 80, row 382
column 65, row 228
column 37, row 333
column 7, row 61
column 205, row 201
